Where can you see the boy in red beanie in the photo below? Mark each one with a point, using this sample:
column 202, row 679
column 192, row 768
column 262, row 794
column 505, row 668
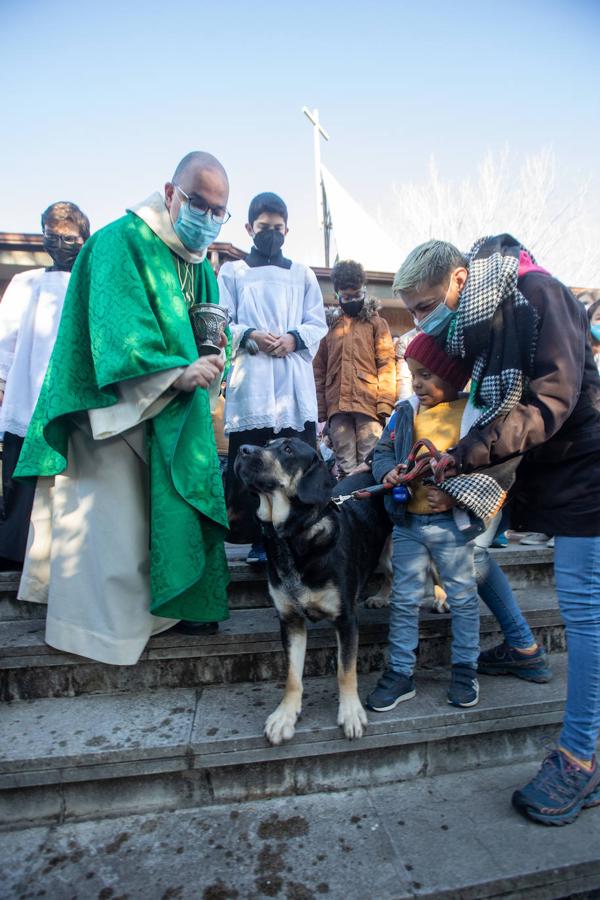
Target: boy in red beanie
column 428, row 526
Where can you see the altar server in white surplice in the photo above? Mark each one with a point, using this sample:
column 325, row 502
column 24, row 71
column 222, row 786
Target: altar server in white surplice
column 29, row 315
column 276, row 307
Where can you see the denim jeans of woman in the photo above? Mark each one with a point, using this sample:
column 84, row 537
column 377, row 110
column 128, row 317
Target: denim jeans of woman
column 577, row 572
column 495, row 591
column 420, row 539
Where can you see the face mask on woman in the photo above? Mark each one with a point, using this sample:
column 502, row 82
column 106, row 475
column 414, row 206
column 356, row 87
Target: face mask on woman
column 595, row 330
column 439, row 319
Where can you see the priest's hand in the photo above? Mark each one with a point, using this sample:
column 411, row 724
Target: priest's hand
column 283, row 345
column 200, row 373
column 264, row 340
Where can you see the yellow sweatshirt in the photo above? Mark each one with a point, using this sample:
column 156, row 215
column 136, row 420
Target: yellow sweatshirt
column 441, row 425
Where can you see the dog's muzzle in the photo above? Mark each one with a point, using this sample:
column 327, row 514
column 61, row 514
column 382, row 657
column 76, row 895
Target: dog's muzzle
column 248, row 463
column 249, row 450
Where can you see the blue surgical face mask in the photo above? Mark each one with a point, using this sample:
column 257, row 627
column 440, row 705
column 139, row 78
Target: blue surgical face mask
column 195, row 230
column 595, row 329
column 438, row 319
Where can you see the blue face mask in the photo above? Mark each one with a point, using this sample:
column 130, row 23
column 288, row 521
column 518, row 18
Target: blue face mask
column 438, row 319
column 595, row 329
column 195, row 230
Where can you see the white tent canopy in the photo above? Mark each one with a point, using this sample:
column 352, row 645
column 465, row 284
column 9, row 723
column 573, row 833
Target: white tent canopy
column 355, row 235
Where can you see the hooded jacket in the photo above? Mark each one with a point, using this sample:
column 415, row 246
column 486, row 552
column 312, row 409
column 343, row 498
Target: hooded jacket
column 355, row 366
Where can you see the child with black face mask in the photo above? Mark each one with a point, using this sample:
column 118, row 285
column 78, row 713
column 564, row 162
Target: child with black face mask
column 277, row 322
column 355, row 369
column 29, row 316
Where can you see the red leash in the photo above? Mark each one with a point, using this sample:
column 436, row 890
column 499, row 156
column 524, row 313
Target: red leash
column 416, row 464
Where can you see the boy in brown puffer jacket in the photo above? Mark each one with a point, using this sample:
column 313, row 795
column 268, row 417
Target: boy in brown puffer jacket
column 355, row 372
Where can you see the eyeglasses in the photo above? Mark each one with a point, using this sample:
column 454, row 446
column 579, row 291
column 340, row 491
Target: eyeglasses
column 218, row 214
column 62, row 240
column 346, row 297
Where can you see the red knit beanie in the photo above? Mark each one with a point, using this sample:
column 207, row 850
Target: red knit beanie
column 424, row 349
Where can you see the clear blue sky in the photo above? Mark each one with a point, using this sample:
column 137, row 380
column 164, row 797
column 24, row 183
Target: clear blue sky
column 100, row 100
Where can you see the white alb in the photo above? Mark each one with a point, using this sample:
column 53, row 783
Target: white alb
column 29, row 317
column 264, row 391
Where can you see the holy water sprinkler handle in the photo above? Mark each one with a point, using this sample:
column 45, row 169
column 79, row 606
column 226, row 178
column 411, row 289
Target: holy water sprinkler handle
column 401, row 493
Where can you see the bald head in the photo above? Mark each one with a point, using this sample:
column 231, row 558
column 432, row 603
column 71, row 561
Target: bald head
column 201, row 178
column 198, row 160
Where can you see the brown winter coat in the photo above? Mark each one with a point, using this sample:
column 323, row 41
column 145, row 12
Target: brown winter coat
column 355, row 366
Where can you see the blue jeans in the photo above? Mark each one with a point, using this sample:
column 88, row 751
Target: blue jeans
column 577, row 572
column 496, row 592
column 420, row 539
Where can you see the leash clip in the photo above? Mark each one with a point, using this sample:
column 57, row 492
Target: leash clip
column 341, row 499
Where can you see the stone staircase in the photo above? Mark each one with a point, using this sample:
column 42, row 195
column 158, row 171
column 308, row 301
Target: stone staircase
column 88, row 750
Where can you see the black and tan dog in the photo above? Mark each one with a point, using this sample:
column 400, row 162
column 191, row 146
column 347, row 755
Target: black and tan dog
column 319, row 560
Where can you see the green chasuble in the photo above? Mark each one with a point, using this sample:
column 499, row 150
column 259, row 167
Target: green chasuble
column 125, row 316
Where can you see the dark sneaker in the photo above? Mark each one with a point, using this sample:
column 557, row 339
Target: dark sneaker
column 392, row 688
column 464, row 687
column 257, row 555
column 559, row 791
column 505, row 660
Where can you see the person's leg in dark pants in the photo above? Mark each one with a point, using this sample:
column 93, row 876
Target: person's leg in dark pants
column 18, row 502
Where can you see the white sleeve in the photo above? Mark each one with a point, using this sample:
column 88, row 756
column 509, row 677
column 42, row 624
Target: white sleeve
column 140, row 399
column 12, row 309
column 228, row 297
column 313, row 326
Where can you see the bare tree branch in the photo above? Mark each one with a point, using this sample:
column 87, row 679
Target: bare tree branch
column 550, row 214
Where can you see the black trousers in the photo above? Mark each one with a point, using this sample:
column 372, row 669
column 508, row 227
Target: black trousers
column 241, row 504
column 18, row 501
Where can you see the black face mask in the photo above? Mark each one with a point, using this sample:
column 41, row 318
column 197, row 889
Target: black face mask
column 63, row 256
column 269, row 242
column 351, row 307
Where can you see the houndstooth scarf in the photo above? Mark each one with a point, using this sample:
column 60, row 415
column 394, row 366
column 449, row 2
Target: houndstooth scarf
column 496, row 326
column 482, row 493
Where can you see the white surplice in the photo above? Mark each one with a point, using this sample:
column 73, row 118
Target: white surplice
column 265, row 391
column 29, row 318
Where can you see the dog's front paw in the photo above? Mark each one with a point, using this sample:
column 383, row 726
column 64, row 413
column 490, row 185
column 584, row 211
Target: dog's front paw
column 280, row 726
column 377, row 601
column 352, row 718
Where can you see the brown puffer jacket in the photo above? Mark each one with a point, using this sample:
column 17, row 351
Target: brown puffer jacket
column 355, row 366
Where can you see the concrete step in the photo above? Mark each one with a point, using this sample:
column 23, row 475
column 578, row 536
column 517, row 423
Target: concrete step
column 525, row 567
column 449, row 837
column 132, row 752
column 246, row 648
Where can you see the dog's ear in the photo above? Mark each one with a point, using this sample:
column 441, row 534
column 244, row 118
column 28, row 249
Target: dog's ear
column 314, row 486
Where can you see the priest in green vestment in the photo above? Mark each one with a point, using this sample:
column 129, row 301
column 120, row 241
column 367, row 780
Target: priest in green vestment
column 129, row 517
